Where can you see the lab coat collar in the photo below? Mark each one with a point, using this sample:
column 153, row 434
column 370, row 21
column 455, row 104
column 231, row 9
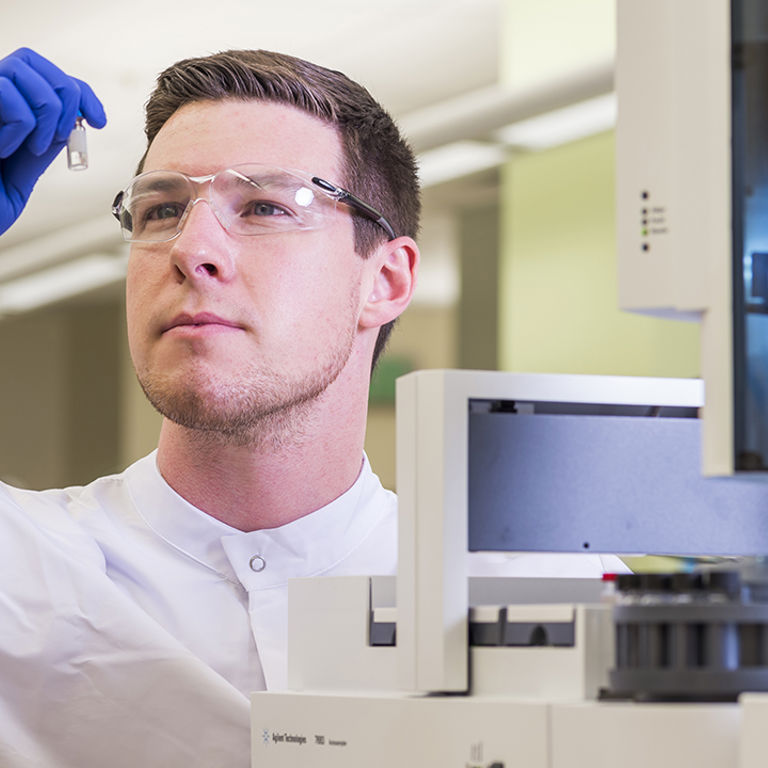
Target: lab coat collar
column 181, row 525
column 260, row 559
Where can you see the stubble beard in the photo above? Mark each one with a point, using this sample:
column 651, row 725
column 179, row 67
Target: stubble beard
column 260, row 408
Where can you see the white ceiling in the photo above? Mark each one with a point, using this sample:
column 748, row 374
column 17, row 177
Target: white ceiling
column 408, row 53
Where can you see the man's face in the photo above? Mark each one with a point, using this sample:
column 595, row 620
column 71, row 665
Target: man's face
column 227, row 330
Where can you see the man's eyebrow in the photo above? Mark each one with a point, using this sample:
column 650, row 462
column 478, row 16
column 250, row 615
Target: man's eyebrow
column 274, row 179
column 158, row 184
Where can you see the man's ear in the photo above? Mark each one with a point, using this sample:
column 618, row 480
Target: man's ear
column 395, row 265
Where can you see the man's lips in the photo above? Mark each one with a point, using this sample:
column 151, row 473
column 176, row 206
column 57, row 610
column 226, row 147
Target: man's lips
column 201, row 320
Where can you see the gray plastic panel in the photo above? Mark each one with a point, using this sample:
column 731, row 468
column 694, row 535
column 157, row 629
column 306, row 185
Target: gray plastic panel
column 605, row 484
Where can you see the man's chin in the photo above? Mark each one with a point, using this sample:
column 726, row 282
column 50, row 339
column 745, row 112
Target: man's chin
column 200, row 396
column 236, row 414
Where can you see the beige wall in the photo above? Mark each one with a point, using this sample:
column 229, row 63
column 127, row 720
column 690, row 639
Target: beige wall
column 33, row 406
column 59, row 412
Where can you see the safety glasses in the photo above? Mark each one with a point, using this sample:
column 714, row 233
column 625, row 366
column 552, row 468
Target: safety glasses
column 249, row 199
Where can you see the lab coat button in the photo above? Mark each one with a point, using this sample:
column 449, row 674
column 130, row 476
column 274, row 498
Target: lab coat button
column 257, row 563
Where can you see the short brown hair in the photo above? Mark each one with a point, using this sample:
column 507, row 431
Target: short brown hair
column 379, row 166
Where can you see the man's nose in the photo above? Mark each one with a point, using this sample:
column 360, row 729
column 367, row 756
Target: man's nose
column 203, row 247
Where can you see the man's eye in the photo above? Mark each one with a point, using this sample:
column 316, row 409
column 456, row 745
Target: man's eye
column 261, row 208
column 164, row 211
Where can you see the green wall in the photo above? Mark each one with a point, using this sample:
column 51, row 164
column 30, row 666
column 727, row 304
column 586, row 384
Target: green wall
column 557, row 283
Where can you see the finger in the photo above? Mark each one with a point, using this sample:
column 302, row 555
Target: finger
column 41, row 99
column 69, row 89
column 90, row 106
column 66, row 88
column 17, row 120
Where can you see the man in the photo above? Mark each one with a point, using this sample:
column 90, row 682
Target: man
column 271, row 229
column 255, row 305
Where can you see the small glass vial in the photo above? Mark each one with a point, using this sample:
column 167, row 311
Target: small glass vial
column 77, row 147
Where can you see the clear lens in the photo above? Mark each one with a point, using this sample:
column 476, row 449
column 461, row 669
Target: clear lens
column 247, row 200
column 251, row 201
column 154, row 204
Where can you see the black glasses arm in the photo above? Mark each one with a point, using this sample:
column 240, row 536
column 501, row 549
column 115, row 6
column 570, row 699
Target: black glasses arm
column 355, row 202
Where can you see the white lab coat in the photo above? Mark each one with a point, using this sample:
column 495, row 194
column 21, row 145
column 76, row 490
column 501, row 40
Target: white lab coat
column 133, row 625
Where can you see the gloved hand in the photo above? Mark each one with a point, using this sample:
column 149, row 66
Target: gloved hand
column 38, row 107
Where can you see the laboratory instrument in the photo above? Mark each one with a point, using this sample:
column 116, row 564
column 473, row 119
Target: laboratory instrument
column 437, row 669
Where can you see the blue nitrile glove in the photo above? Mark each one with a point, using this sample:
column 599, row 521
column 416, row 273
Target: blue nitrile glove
column 38, row 107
